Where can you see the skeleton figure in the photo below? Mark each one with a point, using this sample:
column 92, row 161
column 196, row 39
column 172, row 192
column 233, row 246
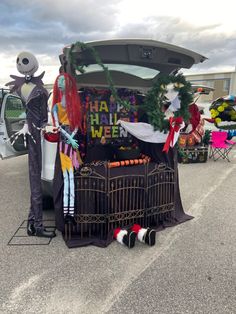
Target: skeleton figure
column 66, row 112
column 34, row 97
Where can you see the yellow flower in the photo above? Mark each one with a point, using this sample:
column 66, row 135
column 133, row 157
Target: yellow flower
column 218, row 120
column 225, row 105
column 220, row 108
column 214, row 113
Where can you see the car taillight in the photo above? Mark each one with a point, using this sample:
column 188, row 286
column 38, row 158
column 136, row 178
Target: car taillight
column 51, row 137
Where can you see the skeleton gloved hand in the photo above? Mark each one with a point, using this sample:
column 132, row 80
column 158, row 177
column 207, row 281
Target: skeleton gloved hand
column 23, row 131
column 70, row 139
column 73, row 142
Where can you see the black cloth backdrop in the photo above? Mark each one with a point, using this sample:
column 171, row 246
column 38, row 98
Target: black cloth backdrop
column 155, row 152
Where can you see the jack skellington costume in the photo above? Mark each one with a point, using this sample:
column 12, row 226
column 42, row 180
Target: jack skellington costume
column 34, row 96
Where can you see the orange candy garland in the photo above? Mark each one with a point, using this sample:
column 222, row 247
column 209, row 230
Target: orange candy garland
column 129, row 162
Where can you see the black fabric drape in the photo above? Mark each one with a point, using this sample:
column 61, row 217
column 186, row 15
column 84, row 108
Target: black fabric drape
column 155, row 152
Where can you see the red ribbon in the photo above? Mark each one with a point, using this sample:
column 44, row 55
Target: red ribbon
column 175, row 124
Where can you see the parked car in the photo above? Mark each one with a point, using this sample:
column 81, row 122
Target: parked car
column 134, row 64
column 12, row 119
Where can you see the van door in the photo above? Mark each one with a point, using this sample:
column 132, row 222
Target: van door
column 12, row 119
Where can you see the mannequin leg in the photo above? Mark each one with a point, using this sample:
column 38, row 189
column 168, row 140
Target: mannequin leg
column 65, row 165
column 145, row 235
column 66, row 192
column 72, row 192
column 126, row 237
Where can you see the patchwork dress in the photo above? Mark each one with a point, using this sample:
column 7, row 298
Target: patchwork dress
column 69, row 160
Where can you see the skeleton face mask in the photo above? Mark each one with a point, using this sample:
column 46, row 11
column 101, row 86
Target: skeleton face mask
column 27, row 63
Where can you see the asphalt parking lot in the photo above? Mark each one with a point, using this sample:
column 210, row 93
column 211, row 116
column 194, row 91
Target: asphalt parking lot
column 191, row 269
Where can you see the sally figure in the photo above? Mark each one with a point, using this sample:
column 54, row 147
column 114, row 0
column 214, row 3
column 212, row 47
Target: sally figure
column 66, row 113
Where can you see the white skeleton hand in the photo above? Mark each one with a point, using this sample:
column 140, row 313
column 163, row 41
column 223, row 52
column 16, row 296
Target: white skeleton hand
column 23, row 131
column 46, row 128
column 43, row 129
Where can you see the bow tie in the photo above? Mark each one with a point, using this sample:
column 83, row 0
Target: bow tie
column 28, row 79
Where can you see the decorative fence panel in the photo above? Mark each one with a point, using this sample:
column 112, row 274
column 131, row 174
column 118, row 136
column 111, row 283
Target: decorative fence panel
column 109, row 198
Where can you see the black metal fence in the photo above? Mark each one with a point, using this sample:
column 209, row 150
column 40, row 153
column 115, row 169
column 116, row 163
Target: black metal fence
column 109, row 198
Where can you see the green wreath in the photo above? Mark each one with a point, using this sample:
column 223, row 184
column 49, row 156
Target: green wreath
column 155, row 98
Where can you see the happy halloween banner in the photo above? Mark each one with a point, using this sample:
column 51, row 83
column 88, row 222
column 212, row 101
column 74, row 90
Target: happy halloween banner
column 102, row 117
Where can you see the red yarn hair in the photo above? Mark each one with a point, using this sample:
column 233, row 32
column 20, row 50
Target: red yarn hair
column 73, row 103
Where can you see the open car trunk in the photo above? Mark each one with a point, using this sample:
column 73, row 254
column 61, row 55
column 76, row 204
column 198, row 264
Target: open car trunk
column 135, row 63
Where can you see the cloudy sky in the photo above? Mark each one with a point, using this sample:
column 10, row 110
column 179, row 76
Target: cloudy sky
column 44, row 27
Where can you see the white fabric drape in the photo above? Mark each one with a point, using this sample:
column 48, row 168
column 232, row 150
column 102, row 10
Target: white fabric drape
column 143, row 131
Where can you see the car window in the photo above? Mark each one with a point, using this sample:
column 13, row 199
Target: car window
column 143, row 72
column 14, row 108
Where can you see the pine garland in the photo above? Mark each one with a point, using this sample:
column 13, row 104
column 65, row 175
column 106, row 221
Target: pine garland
column 155, row 98
column 82, row 46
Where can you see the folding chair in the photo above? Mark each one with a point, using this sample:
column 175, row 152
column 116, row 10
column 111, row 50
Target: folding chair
column 220, row 146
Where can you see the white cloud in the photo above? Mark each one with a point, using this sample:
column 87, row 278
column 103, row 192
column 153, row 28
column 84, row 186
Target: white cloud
column 45, row 27
column 198, row 13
